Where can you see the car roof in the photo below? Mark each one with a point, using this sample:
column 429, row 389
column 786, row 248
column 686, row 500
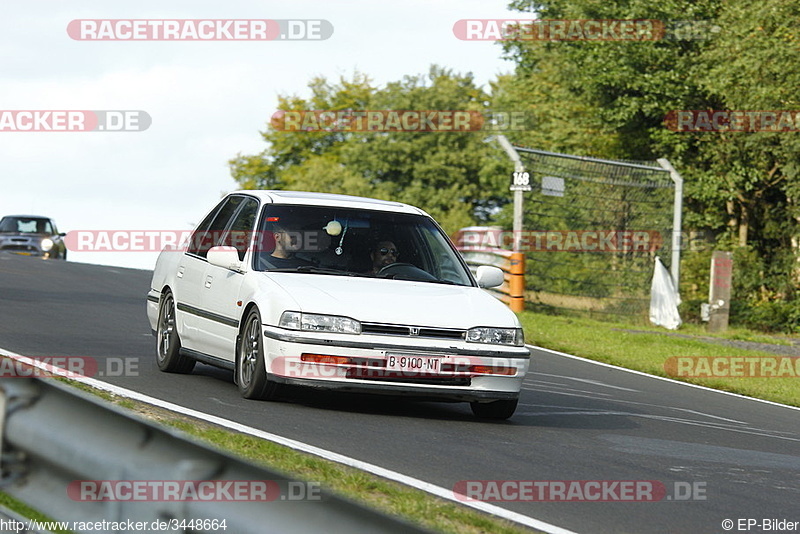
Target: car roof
column 329, row 199
column 26, row 217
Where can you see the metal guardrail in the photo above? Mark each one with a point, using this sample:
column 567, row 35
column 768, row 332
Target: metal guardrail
column 12, row 522
column 54, row 437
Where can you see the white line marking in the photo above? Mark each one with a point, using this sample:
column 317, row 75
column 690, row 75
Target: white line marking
column 651, row 405
column 538, row 385
column 438, row 491
column 595, row 382
column 656, row 377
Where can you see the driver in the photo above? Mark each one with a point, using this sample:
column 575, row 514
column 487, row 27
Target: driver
column 383, row 253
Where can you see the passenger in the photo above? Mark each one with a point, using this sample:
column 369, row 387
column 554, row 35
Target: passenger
column 287, row 242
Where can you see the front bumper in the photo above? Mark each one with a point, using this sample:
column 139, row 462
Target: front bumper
column 23, row 250
column 462, row 371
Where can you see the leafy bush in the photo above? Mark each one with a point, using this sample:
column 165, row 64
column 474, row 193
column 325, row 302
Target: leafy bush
column 761, row 296
column 769, row 315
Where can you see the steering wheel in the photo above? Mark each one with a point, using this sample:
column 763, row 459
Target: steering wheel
column 406, row 271
column 388, row 269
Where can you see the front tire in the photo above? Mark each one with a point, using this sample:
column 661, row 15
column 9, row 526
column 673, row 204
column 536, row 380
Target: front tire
column 498, row 410
column 168, row 348
column 251, row 372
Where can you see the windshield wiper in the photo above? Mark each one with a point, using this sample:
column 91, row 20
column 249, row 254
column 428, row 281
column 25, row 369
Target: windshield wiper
column 313, row 269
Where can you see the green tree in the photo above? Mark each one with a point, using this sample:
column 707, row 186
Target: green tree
column 611, row 98
column 442, row 172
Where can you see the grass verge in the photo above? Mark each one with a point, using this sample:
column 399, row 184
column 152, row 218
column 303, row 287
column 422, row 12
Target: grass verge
column 392, row 498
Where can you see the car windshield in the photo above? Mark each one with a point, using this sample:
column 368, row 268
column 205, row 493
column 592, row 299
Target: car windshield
column 352, row 242
column 26, row 225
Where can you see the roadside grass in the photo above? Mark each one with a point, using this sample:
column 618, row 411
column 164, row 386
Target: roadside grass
column 29, row 512
column 647, row 349
column 392, row 498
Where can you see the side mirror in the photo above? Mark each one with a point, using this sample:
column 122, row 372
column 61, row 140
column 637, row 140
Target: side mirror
column 489, row 276
column 225, row 257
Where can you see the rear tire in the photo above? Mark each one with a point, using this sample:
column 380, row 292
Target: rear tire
column 251, row 372
column 498, row 410
column 168, row 347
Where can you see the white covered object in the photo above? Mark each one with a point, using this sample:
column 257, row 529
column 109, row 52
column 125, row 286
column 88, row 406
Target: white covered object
column 664, row 299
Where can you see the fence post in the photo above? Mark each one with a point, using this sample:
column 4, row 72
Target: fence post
column 516, row 283
column 719, row 291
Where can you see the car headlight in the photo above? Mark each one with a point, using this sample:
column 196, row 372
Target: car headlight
column 47, row 244
column 312, row 322
column 496, row 336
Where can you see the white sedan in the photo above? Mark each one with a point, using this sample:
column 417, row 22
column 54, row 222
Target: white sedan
column 335, row 292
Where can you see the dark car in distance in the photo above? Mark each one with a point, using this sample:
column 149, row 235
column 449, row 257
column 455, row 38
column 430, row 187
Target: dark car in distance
column 32, row 235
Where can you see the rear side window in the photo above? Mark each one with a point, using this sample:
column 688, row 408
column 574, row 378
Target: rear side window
column 241, row 230
column 209, row 232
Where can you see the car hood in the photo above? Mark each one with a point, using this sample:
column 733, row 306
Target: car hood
column 394, row 301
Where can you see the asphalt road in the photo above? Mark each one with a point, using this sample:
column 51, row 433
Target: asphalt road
column 577, row 421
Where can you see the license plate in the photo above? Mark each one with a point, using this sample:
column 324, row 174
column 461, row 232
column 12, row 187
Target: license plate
column 413, row 364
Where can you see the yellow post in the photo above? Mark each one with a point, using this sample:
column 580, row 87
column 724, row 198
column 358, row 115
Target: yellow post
column 516, row 283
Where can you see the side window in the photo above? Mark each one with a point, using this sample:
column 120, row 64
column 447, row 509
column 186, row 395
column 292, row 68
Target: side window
column 210, row 230
column 241, row 229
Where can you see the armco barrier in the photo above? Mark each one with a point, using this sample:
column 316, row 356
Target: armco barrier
column 53, row 437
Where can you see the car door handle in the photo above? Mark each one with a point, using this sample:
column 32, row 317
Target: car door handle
column 180, row 271
column 209, row 278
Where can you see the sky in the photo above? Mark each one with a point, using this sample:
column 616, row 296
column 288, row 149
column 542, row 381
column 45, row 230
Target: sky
column 208, row 100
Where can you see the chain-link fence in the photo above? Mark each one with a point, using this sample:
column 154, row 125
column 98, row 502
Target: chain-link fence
column 592, row 229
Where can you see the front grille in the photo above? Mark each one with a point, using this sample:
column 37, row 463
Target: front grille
column 441, row 332
column 407, row 378
column 411, row 331
column 385, row 329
